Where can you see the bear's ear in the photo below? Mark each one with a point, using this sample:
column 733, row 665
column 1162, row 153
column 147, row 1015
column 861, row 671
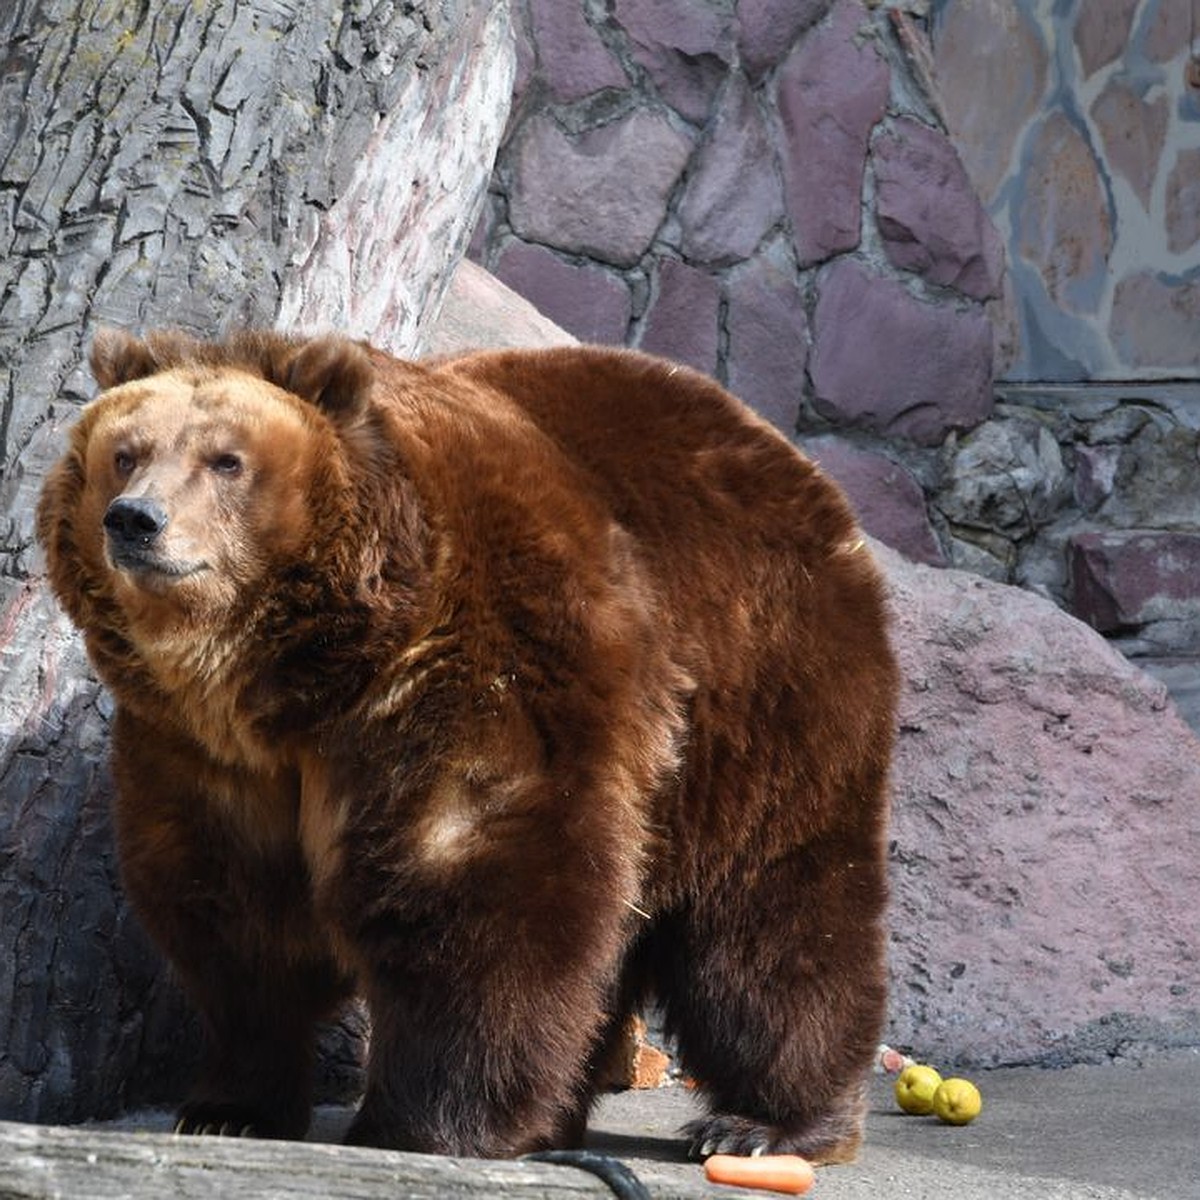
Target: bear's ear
column 118, row 357
column 333, row 373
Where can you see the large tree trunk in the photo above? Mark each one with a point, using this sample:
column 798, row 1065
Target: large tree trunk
column 198, row 165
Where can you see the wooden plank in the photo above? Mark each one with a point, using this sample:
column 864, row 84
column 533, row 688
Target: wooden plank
column 39, row 1162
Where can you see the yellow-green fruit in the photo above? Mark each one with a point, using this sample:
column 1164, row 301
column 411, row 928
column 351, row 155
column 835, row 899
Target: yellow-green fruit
column 957, row 1101
column 915, row 1089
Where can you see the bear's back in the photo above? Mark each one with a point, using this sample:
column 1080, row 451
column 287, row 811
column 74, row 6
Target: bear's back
column 679, row 461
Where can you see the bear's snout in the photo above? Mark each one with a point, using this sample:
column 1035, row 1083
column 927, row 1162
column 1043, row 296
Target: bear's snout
column 133, row 524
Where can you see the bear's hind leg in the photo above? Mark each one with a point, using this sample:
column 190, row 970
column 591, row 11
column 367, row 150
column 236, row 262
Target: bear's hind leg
column 776, row 992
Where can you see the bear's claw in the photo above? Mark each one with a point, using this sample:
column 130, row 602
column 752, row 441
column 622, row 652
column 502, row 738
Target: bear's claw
column 724, row 1134
column 215, row 1121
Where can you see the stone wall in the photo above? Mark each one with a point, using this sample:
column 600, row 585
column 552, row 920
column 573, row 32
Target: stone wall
column 786, row 194
column 691, row 177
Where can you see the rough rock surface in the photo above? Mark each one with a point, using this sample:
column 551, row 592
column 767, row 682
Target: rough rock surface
column 685, row 47
column 766, row 28
column 372, row 263
column 1006, row 476
column 683, row 318
column 1045, row 834
column 732, row 196
column 571, row 55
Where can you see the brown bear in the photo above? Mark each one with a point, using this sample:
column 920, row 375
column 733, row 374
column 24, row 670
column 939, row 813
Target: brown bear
column 508, row 692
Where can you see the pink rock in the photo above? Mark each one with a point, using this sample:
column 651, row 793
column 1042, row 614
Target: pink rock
column 767, row 353
column 830, row 92
column 991, row 66
column 929, row 217
column 767, row 29
column 886, row 361
column 602, row 193
column 1102, row 32
column 1154, row 321
column 1183, row 202
column 587, row 301
column 1123, row 579
column 732, row 195
column 685, row 46
column 572, row 58
column 1065, row 229
column 887, row 498
column 1045, row 832
column 479, row 312
column 1134, row 133
column 682, row 321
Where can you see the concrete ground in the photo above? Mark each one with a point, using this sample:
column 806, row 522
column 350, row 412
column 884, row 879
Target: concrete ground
column 1082, row 1133
column 1095, row 1132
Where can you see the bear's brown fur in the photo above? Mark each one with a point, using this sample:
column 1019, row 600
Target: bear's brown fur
column 509, row 691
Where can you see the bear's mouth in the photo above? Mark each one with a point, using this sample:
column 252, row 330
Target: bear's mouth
column 148, row 567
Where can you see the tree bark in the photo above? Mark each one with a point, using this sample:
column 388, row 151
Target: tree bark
column 201, row 166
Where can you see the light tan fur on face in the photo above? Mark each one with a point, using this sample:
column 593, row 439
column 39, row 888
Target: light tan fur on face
column 175, row 429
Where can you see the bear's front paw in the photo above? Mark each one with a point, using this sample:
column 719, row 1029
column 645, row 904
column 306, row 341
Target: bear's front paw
column 203, row 1119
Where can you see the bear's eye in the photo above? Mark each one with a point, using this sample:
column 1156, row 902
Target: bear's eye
column 124, row 462
column 227, row 464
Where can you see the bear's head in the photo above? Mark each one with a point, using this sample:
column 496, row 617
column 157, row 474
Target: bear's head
column 198, row 476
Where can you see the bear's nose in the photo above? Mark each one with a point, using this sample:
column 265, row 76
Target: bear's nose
column 135, row 519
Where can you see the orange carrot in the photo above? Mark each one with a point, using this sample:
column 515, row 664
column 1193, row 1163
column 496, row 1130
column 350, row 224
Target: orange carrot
column 773, row 1172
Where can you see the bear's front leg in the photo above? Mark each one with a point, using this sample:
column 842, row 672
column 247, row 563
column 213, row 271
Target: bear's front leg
column 256, row 1074
column 490, row 948
column 225, row 896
